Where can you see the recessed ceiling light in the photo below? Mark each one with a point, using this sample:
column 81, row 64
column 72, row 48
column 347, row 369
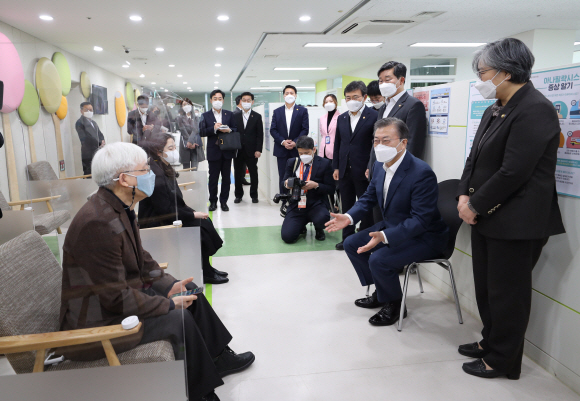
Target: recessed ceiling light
column 219, row 49
column 159, row 49
column 162, row 88
column 166, row 90
column 300, row 68
column 98, row 49
column 46, row 17
column 223, row 18
column 267, row 87
column 435, row 66
column 142, row 76
column 125, row 66
column 189, row 87
column 305, row 87
column 185, row 83
column 305, row 18
column 216, row 75
column 343, row 44
column 152, row 83
column 218, row 65
column 576, row 43
column 127, row 62
column 179, row 75
column 447, row 44
column 191, row 90
column 135, row 18
column 279, row 80
column 215, row 87
column 172, row 65
column 216, row 82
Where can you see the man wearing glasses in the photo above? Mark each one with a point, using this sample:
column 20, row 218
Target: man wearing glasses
column 352, row 146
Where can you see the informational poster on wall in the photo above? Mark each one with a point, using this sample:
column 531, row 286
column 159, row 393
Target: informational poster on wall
column 439, row 112
column 562, row 88
column 477, row 105
column 423, row 96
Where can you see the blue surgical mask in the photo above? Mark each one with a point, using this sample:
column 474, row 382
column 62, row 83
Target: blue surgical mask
column 145, row 182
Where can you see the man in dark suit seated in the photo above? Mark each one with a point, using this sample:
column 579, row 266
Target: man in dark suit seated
column 411, row 230
column 108, row 276
column 313, row 204
column 90, row 135
column 142, row 122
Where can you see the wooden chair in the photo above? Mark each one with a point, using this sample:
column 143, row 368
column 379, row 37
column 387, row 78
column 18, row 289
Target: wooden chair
column 42, row 171
column 43, row 223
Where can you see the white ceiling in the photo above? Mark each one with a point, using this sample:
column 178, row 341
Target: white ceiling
column 189, row 32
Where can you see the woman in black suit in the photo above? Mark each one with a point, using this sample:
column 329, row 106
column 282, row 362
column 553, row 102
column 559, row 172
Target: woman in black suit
column 191, row 146
column 160, row 208
column 508, row 195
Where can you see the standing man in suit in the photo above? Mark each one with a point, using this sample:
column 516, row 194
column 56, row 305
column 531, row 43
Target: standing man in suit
column 251, row 129
column 220, row 162
column 90, row 135
column 288, row 123
column 399, row 104
column 142, row 122
column 239, row 109
column 313, row 205
column 375, row 96
column 412, row 229
column 238, row 105
column 352, row 145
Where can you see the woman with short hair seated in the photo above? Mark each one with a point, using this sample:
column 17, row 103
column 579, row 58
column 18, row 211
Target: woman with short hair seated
column 166, row 204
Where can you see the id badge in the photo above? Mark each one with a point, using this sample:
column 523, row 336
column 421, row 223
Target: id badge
column 302, row 202
column 327, row 140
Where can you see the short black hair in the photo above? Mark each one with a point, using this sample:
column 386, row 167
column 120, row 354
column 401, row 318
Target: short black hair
column 509, row 55
column 247, row 94
column 289, row 87
column 373, row 88
column 399, row 69
column 402, row 128
column 304, row 142
column 144, row 98
column 238, row 100
column 215, row 92
column 354, row 86
column 83, row 104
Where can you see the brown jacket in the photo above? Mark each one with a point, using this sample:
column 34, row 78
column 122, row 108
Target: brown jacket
column 107, row 275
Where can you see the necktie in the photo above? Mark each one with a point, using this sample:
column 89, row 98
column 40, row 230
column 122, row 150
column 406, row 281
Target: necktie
column 306, row 170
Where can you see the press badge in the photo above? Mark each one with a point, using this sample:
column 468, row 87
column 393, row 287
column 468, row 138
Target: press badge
column 327, row 140
column 302, row 202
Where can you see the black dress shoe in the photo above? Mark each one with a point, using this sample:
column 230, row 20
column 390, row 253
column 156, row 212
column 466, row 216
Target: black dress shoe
column 245, row 182
column 210, row 397
column 212, row 206
column 229, row 362
column 477, row 368
column 340, row 246
column 225, row 207
column 237, row 200
column 472, row 350
column 388, row 315
column 369, row 302
column 254, row 200
column 215, row 279
column 320, row 236
column 220, row 273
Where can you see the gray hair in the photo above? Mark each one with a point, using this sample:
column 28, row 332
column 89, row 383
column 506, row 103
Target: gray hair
column 509, row 55
column 113, row 159
column 354, row 86
column 402, row 128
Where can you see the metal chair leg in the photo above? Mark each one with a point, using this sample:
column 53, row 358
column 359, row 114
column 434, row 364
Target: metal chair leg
column 403, row 301
column 419, row 277
column 452, row 279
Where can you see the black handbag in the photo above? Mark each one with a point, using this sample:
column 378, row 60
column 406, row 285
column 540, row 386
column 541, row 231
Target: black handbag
column 229, row 140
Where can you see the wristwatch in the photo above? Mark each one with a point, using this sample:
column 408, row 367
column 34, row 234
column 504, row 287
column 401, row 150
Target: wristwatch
column 470, row 206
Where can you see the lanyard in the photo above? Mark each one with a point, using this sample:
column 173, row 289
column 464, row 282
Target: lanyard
column 302, row 173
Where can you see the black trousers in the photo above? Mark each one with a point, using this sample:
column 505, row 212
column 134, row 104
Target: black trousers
column 222, row 166
column 296, row 219
column 502, row 271
column 351, row 188
column 198, row 336
column 281, row 171
column 87, row 166
column 240, row 162
column 188, row 158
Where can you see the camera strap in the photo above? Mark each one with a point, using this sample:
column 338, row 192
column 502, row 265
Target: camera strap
column 302, row 174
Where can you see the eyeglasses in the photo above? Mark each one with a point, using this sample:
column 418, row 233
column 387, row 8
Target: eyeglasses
column 481, row 72
column 349, row 98
column 147, row 170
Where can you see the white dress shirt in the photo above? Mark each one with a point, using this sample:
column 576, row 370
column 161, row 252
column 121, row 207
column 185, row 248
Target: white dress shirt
column 246, row 116
column 218, row 117
column 354, row 118
column 289, row 112
column 143, row 117
column 391, row 103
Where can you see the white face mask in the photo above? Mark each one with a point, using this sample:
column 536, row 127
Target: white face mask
column 187, row 108
column 289, row 99
column 330, row 106
column 354, row 105
column 386, row 153
column 88, row 114
column 172, row 156
column 246, row 105
column 143, row 109
column 306, row 158
column 378, row 105
column 197, row 113
column 487, row 88
column 216, row 104
column 388, row 89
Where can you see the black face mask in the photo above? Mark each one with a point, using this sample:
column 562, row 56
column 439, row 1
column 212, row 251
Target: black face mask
column 157, row 112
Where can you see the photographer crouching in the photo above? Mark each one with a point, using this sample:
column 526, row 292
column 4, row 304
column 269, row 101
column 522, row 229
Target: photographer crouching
column 309, row 179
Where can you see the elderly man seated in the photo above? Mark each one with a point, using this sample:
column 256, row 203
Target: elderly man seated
column 108, row 276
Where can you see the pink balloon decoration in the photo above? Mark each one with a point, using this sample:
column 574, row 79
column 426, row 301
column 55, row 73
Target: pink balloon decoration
column 12, row 74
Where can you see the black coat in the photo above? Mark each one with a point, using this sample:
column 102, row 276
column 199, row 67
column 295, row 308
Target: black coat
column 252, row 135
column 135, row 125
column 206, row 129
column 321, row 173
column 510, row 173
column 88, row 135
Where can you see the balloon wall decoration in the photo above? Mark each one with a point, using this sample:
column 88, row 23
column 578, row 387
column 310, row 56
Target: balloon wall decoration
column 85, row 84
column 63, row 69
column 29, row 111
column 48, row 85
column 129, row 95
column 120, row 111
column 62, row 109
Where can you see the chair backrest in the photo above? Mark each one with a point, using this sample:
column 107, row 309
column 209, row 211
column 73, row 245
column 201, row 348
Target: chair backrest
column 3, row 203
column 41, row 171
column 30, row 288
column 447, row 205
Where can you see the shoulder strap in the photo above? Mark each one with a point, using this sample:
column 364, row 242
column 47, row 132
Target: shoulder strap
column 295, row 163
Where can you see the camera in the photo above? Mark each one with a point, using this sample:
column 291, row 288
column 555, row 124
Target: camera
column 295, row 185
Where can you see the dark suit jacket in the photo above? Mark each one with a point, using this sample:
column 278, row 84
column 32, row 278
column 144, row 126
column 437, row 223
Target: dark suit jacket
column 91, row 137
column 135, row 125
column 206, row 129
column 321, row 173
column 106, row 272
column 252, row 135
column 410, row 210
column 510, row 173
column 412, row 111
column 298, row 127
column 354, row 147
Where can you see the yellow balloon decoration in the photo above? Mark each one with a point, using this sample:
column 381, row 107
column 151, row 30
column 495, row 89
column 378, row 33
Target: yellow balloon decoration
column 120, row 109
column 62, row 109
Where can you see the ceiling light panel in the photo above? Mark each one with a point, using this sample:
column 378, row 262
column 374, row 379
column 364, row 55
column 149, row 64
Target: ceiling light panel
column 279, row 80
column 300, row 68
column 46, row 17
column 447, row 44
column 135, row 18
column 344, row 44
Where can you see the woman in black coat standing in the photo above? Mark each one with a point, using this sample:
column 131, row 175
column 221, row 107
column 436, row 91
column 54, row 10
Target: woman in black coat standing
column 191, row 146
column 507, row 194
column 166, row 204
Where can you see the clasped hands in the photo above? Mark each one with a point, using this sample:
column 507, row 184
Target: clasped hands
column 191, row 145
column 217, row 126
column 182, row 302
column 289, row 144
column 341, row 221
column 465, row 213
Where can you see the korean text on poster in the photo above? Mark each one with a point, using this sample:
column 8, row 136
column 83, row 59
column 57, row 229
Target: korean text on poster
column 439, row 112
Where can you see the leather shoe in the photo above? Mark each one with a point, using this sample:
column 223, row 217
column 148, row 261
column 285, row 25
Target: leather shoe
column 225, row 207
column 472, row 350
column 245, row 182
column 237, row 200
column 229, row 362
column 340, row 246
column 215, row 279
column 388, row 315
column 212, row 206
column 477, row 368
column 254, row 200
column 220, row 273
column 210, row 397
column 320, row 236
column 369, row 302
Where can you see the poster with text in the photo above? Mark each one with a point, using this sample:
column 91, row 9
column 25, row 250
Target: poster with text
column 439, row 112
column 423, row 96
column 477, row 105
